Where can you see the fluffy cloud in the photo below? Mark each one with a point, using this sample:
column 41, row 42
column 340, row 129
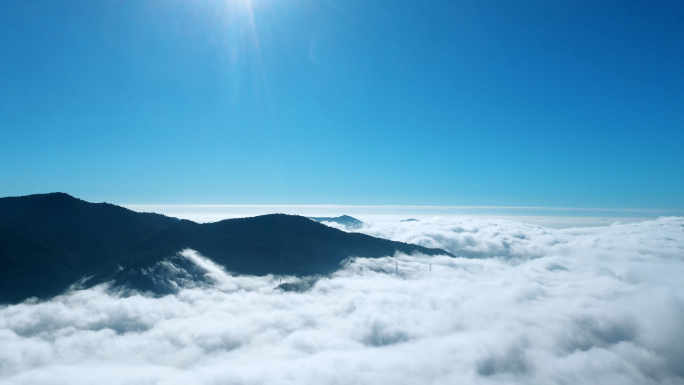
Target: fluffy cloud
column 535, row 306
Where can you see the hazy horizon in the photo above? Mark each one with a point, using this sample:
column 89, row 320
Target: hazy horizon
column 551, row 217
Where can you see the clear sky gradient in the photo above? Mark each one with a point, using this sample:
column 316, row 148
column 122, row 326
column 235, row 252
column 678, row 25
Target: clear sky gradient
column 352, row 102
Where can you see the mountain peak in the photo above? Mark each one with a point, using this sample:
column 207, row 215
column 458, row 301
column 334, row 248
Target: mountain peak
column 345, row 220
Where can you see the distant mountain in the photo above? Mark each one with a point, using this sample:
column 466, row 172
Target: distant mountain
column 409, row 220
column 50, row 241
column 345, row 220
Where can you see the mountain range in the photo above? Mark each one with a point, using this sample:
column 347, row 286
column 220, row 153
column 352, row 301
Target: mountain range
column 49, row 242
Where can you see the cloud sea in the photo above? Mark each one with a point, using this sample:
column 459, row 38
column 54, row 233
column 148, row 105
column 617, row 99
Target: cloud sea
column 521, row 303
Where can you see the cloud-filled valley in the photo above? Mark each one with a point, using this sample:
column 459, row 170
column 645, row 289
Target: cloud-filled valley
column 520, row 304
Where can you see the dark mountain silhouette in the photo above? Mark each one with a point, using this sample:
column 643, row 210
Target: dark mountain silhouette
column 50, row 241
column 346, row 220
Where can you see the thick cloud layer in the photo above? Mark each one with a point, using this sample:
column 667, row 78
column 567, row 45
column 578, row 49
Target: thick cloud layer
column 538, row 306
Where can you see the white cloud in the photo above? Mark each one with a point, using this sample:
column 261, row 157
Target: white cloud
column 582, row 306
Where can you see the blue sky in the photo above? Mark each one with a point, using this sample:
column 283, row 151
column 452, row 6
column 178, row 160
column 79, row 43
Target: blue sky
column 535, row 103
